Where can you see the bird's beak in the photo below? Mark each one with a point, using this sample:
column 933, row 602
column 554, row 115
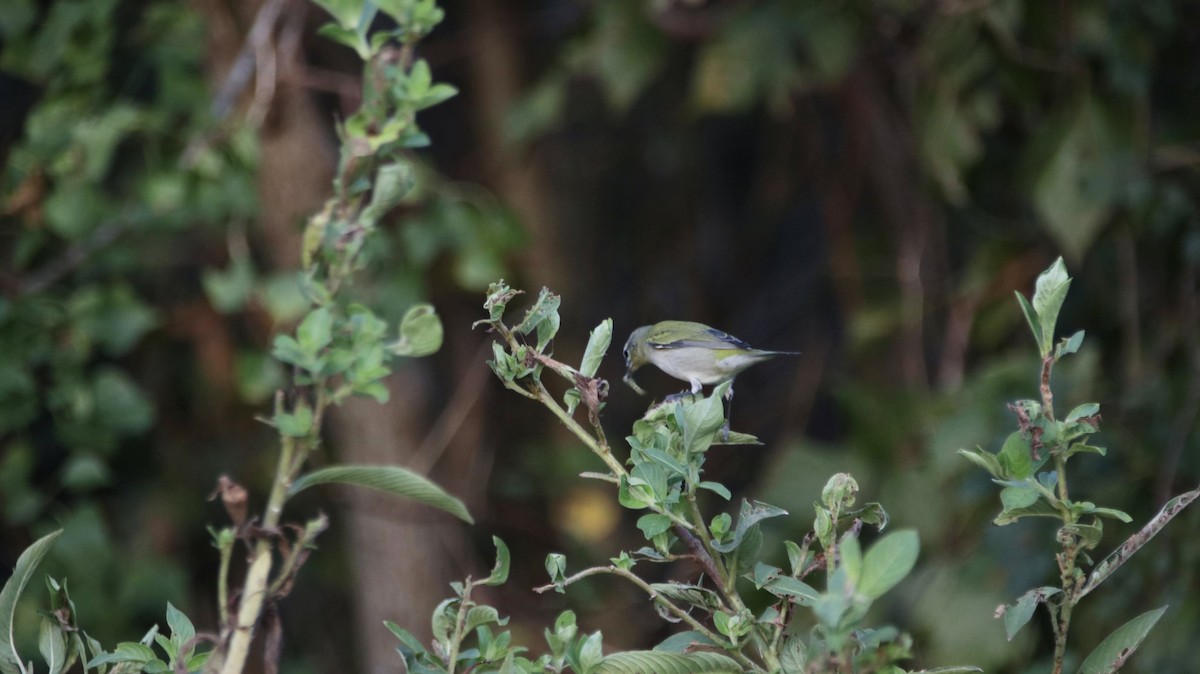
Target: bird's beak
column 628, row 379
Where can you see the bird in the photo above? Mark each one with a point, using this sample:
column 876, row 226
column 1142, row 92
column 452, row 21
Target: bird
column 692, row 352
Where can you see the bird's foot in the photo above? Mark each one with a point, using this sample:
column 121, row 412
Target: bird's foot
column 676, row 397
column 725, row 431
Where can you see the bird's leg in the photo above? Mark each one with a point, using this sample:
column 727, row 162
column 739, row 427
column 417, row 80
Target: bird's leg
column 728, row 411
column 697, row 387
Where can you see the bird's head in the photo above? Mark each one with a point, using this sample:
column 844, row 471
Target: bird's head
column 635, row 355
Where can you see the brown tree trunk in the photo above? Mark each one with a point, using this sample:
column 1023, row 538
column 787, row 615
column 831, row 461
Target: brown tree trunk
column 494, row 84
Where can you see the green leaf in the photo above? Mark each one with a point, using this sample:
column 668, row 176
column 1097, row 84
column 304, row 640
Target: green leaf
column 985, row 460
column 167, row 647
column 482, row 615
column 120, row 404
column 315, row 331
column 1089, row 534
column 786, row 586
column 1087, row 164
column 701, row 420
column 393, row 182
column 346, row 12
column 1035, row 325
column 126, row 651
column 196, row 661
column 662, row 662
column 1113, row 513
column 556, row 567
column 1079, row 447
column 52, row 644
column 1112, row 653
column 839, row 492
column 543, row 317
column 953, row 669
column 10, row 661
column 693, row 595
column 1084, row 410
column 1016, row 460
column 871, row 513
column 181, row 626
column 684, row 641
column 499, row 574
column 653, row 524
column 1069, row 345
column 736, row 438
column 434, row 95
column 295, row 424
column 1015, row 498
column 1018, row 614
column 407, row 640
column 751, row 514
column 114, row 318
column 287, row 350
column 420, row 332
column 1049, row 293
column 598, row 342
column 851, row 564
column 591, row 653
column 419, row 77
column 795, row 560
column 763, row 574
column 888, row 561
column 792, row 654
column 1039, row 508
column 391, row 479
column 716, row 488
column 228, row 290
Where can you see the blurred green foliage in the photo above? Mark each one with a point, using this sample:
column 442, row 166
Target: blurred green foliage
column 97, row 187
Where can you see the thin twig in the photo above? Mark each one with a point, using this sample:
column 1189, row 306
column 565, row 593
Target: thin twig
column 245, row 65
column 75, row 255
column 663, row 601
column 465, row 397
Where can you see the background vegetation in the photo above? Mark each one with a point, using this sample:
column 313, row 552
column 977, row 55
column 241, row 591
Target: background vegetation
column 865, row 181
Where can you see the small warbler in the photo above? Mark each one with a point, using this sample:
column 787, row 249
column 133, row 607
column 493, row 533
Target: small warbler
column 692, row 352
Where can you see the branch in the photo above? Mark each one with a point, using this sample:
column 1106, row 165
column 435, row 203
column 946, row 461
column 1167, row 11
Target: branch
column 75, row 255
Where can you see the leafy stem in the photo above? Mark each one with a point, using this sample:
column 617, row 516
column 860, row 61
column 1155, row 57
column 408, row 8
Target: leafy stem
column 1070, row 547
column 460, row 621
column 723, row 576
column 666, row 603
column 536, row 390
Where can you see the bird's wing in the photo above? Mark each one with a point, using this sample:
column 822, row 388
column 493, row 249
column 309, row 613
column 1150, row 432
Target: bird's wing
column 680, row 334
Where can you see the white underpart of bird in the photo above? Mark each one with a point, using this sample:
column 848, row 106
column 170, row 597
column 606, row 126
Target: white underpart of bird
column 697, row 366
